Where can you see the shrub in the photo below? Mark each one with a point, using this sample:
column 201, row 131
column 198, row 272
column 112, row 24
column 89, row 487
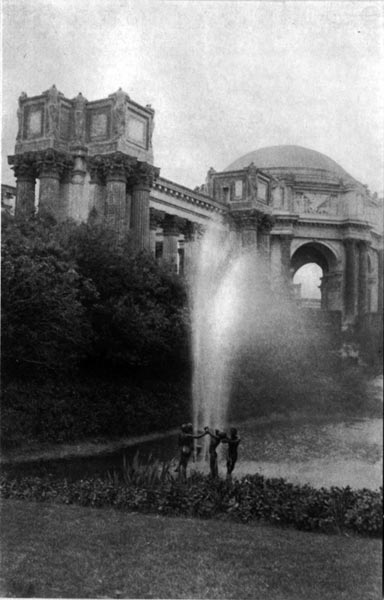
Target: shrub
column 152, row 489
column 62, row 411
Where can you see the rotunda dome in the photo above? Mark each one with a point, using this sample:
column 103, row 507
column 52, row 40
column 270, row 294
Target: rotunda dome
column 304, row 163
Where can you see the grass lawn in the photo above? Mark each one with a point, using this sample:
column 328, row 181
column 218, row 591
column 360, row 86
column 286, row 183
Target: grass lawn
column 69, row 551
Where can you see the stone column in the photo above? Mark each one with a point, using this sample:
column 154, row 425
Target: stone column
column 51, row 165
column 76, row 208
column 266, row 223
column 154, row 218
column 170, row 244
column 65, row 192
column 143, row 179
column 181, row 253
column 189, row 232
column 25, row 172
column 285, row 250
column 350, row 288
column 249, row 224
column 97, row 191
column 117, row 215
column 380, row 282
column 363, row 278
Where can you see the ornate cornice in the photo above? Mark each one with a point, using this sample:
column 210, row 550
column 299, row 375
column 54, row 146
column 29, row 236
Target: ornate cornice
column 190, row 196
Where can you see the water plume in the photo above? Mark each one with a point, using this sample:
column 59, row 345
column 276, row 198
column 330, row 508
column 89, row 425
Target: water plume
column 225, row 290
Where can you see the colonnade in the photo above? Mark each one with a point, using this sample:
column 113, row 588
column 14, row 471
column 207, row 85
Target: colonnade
column 119, row 189
column 118, row 194
column 172, row 239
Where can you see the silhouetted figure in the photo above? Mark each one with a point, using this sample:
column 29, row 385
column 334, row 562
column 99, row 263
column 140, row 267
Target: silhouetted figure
column 186, row 438
column 216, row 438
column 233, row 442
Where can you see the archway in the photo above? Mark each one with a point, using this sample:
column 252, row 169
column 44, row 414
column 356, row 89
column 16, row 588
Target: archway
column 307, row 285
column 312, row 265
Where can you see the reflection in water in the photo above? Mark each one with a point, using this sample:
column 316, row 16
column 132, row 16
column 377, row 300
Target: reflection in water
column 319, row 453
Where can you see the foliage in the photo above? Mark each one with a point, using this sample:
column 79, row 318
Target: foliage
column 248, row 499
column 64, row 411
column 147, row 473
column 44, row 325
column 139, row 318
column 74, row 292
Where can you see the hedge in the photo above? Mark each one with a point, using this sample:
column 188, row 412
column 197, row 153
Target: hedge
column 251, row 498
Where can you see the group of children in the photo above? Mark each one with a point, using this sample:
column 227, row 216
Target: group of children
column 186, row 442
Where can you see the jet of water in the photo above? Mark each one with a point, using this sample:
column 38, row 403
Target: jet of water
column 222, row 289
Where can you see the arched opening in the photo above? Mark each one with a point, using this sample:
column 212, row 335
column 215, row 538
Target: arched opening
column 311, row 267
column 307, row 285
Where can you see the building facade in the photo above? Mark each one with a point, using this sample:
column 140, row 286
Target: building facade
column 94, row 160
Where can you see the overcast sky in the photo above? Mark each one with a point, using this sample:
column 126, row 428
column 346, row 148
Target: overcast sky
column 224, row 77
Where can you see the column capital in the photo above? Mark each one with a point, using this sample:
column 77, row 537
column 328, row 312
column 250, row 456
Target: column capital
column 96, row 169
column 144, row 175
column 117, row 167
column 266, row 223
column 171, row 225
column 190, row 230
column 246, row 219
column 350, row 242
column 51, row 163
column 24, row 166
column 155, row 218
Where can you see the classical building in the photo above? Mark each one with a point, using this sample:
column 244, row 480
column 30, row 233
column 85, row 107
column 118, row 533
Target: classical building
column 294, row 206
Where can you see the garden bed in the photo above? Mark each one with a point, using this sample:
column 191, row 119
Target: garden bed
column 152, row 489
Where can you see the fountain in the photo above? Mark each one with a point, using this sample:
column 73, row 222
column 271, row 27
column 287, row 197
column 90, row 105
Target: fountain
column 225, row 293
column 235, row 315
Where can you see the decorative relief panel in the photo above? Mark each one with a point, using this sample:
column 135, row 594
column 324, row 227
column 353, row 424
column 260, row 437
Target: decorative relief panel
column 65, row 122
column 262, row 191
column 137, row 130
column 278, row 197
column 34, row 121
column 314, row 203
column 98, row 124
column 238, row 189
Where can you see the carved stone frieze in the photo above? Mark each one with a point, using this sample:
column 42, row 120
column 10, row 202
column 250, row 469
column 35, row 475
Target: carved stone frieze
column 317, row 203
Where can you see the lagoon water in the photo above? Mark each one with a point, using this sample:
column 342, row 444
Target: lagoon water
column 318, row 453
column 321, row 453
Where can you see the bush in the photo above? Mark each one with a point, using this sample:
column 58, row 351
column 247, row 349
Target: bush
column 252, row 498
column 63, row 412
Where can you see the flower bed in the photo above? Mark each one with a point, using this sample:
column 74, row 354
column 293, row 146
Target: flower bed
column 248, row 499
